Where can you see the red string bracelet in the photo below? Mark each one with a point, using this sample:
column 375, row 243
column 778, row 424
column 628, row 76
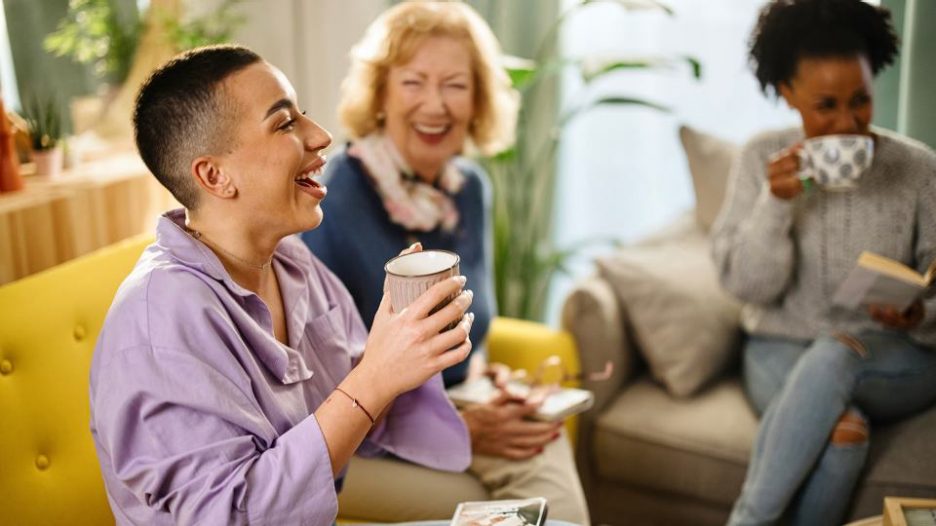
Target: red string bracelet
column 355, row 403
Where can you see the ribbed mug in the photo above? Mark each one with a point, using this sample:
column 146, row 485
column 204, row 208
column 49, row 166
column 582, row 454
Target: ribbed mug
column 411, row 275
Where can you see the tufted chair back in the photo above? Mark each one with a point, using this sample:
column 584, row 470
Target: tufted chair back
column 49, row 323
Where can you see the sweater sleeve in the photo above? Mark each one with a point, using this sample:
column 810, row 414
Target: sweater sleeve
column 752, row 242
column 925, row 249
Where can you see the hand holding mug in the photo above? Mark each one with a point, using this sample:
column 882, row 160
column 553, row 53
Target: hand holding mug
column 832, row 162
column 783, row 173
column 407, row 346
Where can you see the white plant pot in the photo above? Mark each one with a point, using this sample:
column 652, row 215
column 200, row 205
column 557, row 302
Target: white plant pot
column 49, row 162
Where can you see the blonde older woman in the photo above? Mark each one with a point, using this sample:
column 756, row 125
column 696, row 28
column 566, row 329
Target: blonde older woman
column 425, row 84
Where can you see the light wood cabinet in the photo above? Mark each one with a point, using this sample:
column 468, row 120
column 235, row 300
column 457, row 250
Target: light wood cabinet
column 92, row 206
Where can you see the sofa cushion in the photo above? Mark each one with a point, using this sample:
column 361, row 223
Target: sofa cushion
column 900, row 462
column 684, row 324
column 695, row 448
column 710, row 160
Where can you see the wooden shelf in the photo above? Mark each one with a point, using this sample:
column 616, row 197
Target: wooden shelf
column 92, row 206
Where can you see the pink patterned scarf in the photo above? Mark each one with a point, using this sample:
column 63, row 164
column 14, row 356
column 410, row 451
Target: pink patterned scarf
column 410, row 202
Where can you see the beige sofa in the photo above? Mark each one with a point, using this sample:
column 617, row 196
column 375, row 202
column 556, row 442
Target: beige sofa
column 670, row 434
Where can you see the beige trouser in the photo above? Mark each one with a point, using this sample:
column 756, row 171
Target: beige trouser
column 389, row 490
column 551, row 474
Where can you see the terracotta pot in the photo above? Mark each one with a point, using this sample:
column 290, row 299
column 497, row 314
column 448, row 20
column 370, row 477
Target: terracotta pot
column 10, row 177
column 49, row 162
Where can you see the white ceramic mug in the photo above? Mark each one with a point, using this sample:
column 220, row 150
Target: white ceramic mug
column 411, row 275
column 836, row 162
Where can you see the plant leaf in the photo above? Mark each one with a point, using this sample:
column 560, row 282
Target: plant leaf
column 520, row 70
column 612, row 100
column 696, row 66
column 591, row 71
column 593, row 68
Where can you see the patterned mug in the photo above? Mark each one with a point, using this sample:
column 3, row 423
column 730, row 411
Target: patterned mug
column 836, row 162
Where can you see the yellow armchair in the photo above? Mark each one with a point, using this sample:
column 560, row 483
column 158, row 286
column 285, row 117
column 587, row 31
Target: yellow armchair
column 50, row 321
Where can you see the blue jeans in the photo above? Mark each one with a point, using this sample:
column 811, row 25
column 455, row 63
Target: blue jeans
column 802, row 388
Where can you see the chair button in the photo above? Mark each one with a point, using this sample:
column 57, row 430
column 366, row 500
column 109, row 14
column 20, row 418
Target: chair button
column 6, row 367
column 79, row 333
column 42, row 462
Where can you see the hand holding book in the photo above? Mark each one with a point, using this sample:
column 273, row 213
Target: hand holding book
column 891, row 290
column 892, row 318
column 513, row 414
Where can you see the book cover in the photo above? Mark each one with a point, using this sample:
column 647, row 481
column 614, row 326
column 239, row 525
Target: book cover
column 558, row 404
column 876, row 279
column 520, row 512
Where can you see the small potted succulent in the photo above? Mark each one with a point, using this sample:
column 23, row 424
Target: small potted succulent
column 44, row 122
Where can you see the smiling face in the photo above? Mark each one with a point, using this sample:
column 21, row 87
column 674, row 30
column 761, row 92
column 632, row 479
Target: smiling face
column 274, row 154
column 832, row 95
column 429, row 104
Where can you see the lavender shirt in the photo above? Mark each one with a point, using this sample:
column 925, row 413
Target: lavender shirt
column 200, row 416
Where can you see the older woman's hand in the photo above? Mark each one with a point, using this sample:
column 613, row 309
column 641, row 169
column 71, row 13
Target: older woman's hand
column 782, row 174
column 892, row 318
column 500, row 428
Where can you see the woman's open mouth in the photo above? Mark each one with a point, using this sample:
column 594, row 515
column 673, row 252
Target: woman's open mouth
column 431, row 134
column 309, row 185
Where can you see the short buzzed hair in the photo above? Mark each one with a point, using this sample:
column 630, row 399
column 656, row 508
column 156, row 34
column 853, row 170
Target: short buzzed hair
column 180, row 114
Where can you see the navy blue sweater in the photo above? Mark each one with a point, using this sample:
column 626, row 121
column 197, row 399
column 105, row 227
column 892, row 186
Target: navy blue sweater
column 357, row 237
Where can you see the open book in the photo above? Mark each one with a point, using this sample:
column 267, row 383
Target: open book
column 522, row 512
column 563, row 402
column 880, row 280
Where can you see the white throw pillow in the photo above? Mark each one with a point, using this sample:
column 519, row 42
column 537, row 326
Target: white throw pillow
column 685, row 325
column 710, row 160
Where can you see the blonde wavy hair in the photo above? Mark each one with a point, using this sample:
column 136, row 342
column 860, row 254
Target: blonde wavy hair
column 392, row 40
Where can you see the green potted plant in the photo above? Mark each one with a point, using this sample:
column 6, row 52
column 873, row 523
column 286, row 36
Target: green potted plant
column 44, row 122
column 523, row 177
column 123, row 50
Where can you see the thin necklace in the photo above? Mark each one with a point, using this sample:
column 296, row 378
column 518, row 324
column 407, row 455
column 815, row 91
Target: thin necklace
column 201, row 237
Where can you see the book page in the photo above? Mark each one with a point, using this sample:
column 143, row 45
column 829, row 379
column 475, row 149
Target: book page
column 890, row 267
column 865, row 286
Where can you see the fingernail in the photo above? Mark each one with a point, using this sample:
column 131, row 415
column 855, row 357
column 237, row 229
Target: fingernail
column 461, row 279
column 469, row 292
column 554, row 437
column 539, row 450
column 416, row 245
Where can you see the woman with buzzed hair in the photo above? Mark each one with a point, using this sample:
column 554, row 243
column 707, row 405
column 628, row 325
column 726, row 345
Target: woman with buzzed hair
column 233, row 378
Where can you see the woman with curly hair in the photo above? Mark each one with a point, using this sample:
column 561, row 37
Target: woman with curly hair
column 821, row 374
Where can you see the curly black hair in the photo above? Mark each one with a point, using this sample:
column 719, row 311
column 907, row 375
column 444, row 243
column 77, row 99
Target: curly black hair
column 788, row 30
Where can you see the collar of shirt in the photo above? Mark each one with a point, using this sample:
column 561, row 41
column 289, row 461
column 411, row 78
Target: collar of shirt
column 284, row 362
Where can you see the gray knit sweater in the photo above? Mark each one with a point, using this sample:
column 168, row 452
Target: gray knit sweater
column 785, row 259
